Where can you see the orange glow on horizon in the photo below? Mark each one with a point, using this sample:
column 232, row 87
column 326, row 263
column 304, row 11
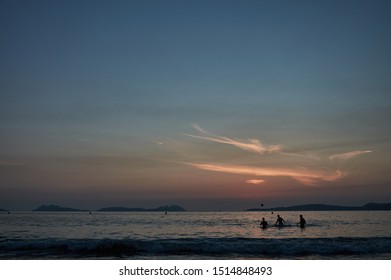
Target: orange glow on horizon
column 255, row 181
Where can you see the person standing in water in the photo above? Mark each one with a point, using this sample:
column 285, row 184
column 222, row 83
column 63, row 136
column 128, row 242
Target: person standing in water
column 302, row 222
column 280, row 221
column 263, row 223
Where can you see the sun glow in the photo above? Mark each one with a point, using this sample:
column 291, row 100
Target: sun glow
column 255, row 181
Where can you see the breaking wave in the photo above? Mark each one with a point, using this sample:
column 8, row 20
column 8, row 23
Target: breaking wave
column 212, row 247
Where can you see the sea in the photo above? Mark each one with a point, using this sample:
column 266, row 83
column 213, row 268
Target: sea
column 347, row 235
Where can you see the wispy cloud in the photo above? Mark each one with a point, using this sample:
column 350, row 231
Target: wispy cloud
column 304, row 176
column 252, row 145
column 197, row 127
column 346, row 156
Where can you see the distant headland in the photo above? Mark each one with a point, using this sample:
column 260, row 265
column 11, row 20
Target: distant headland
column 176, row 208
column 325, row 207
column 171, row 208
column 56, row 208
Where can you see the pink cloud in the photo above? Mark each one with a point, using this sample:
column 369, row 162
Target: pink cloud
column 304, row 176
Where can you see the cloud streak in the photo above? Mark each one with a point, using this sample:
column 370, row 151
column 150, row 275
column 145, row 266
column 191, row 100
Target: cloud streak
column 304, row 176
column 251, row 145
column 347, row 156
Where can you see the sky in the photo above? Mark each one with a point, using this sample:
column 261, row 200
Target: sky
column 211, row 105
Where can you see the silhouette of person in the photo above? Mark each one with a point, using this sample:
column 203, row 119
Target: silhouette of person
column 280, row 221
column 263, row 223
column 302, row 222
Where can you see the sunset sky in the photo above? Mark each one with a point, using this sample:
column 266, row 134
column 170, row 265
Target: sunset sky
column 206, row 104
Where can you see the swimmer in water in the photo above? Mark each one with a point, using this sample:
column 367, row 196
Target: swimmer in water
column 280, row 221
column 263, row 223
column 302, row 222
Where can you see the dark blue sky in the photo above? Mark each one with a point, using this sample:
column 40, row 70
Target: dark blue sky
column 100, row 97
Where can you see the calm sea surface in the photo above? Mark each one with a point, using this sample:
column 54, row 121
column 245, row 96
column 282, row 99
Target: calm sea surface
column 195, row 235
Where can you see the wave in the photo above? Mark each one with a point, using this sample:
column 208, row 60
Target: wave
column 218, row 247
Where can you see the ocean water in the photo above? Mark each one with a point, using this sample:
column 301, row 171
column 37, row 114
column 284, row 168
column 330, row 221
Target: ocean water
column 194, row 235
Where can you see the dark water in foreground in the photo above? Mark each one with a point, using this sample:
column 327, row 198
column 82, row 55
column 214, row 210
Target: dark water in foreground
column 210, row 235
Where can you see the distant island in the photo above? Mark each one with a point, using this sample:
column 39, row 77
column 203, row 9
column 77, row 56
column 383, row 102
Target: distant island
column 3, row 210
column 56, row 208
column 325, row 207
column 172, row 208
